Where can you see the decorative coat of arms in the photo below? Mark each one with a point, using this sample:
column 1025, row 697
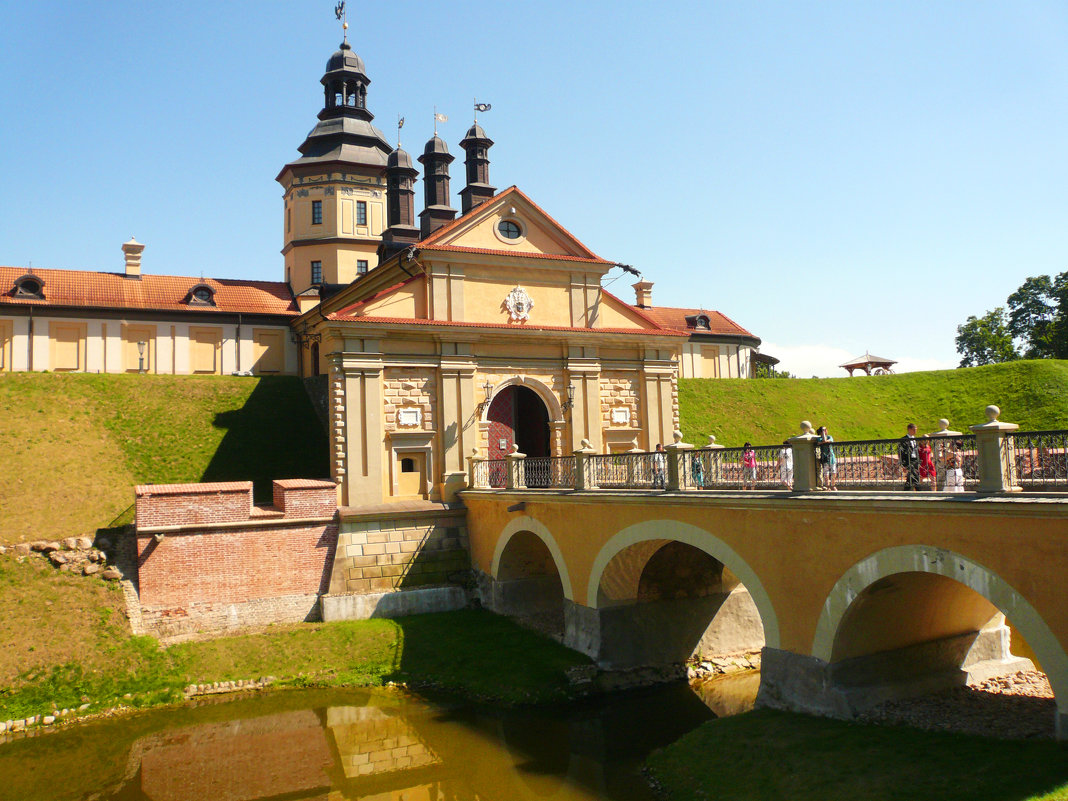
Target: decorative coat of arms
column 518, row 304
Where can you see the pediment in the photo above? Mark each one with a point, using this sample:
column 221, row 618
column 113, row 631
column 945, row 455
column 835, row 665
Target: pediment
column 511, row 223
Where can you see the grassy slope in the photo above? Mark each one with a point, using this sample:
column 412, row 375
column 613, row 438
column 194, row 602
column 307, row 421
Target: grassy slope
column 767, row 754
column 1033, row 394
column 83, row 646
column 70, row 464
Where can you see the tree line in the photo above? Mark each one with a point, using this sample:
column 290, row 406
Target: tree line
column 1034, row 327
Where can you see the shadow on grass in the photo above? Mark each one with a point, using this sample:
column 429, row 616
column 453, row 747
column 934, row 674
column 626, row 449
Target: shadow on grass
column 768, row 754
column 276, row 434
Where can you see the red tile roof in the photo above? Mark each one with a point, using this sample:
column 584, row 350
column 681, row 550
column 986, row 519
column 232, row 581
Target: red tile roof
column 674, row 318
column 81, row 288
column 516, row 253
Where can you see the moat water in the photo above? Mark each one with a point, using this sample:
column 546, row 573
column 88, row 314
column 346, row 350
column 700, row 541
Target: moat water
column 349, row 744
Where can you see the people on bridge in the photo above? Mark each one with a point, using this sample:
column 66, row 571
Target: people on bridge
column 927, row 465
column 826, row 459
column 697, row 470
column 954, row 470
column 749, row 467
column 908, row 454
column 659, row 467
column 786, row 464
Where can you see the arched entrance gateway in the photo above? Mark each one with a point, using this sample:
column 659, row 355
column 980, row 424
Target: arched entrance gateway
column 518, row 416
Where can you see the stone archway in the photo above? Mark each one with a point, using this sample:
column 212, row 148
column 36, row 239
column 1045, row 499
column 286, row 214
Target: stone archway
column 528, row 578
column 663, row 591
column 921, row 560
column 525, row 413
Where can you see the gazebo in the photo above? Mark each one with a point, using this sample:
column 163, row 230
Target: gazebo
column 871, row 365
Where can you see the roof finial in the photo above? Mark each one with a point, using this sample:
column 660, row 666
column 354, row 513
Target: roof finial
column 438, row 118
column 400, row 124
column 343, row 17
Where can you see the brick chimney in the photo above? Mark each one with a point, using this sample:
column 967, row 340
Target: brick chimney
column 643, row 293
column 132, row 250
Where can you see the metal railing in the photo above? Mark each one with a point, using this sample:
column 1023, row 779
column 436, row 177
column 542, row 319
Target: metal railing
column 940, row 464
column 1041, row 459
column 1038, row 459
column 629, row 470
column 490, row 473
column 549, row 471
column 760, row 467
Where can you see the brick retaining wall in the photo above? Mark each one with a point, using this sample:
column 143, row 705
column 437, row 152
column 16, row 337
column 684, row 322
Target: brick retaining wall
column 200, row 570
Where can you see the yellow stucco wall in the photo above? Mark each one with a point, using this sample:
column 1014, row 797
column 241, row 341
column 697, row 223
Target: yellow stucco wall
column 799, row 549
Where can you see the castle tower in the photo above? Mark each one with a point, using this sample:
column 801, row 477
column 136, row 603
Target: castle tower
column 335, row 193
column 400, row 192
column 436, row 209
column 478, row 190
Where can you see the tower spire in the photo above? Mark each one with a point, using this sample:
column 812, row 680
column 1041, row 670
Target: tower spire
column 343, row 18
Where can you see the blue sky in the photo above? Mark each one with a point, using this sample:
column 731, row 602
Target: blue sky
column 835, row 177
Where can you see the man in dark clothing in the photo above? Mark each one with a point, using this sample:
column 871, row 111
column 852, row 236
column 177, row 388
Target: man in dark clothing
column 908, row 454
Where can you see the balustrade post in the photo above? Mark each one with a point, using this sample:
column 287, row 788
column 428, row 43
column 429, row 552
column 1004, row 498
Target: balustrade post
column 584, row 478
column 804, row 450
column 516, row 478
column 996, row 459
column 676, row 470
column 472, row 468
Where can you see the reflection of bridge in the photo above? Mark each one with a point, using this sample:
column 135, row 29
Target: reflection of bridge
column 861, row 596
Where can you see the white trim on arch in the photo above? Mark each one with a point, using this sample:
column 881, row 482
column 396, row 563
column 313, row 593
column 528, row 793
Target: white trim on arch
column 548, row 397
column 929, row 559
column 536, row 527
column 673, row 530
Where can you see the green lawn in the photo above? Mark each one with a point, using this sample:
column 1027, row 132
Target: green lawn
column 81, row 646
column 76, row 444
column 777, row 755
column 1033, row 394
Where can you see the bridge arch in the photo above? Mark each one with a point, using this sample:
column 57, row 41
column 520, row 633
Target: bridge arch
column 527, row 523
column 938, row 561
column 662, row 531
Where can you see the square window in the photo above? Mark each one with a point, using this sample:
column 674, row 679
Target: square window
column 361, row 267
column 317, row 212
column 317, row 272
column 361, row 212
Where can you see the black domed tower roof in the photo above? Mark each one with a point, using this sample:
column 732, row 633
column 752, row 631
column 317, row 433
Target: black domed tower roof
column 436, row 209
column 344, row 132
column 478, row 190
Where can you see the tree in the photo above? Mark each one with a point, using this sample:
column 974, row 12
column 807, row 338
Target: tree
column 1033, row 309
column 765, row 370
column 985, row 340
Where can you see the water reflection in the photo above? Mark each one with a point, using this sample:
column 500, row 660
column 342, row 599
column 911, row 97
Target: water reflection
column 367, row 745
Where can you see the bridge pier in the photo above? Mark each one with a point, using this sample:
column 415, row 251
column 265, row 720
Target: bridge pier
column 850, row 687
column 664, row 632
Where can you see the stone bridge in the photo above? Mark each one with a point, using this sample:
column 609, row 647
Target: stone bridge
column 855, row 598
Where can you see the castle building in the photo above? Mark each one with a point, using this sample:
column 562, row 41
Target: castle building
column 440, row 335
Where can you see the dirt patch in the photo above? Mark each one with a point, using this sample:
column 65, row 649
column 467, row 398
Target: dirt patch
column 1016, row 707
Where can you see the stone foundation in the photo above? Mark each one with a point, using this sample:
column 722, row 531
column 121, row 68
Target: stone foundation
column 801, row 683
column 355, row 606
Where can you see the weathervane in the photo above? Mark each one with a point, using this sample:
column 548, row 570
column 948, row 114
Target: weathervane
column 481, row 107
column 400, row 124
column 343, row 17
column 438, row 118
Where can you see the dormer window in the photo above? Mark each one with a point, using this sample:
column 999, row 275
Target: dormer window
column 201, row 295
column 701, row 321
column 28, row 286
